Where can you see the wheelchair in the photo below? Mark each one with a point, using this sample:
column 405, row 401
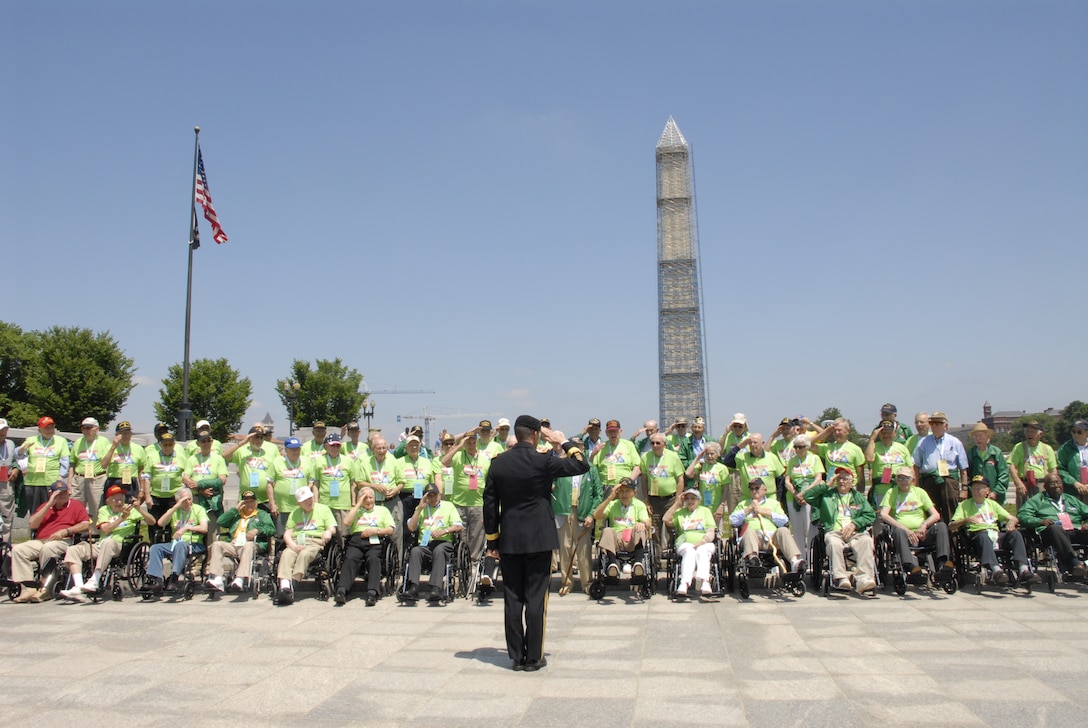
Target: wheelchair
column 261, row 576
column 643, row 587
column 324, row 569
column 129, row 566
column 822, row 579
column 969, row 569
column 455, row 581
column 672, row 569
column 195, row 567
column 56, row 577
column 890, row 571
column 769, row 573
column 390, row 568
column 1045, row 560
column 475, row 589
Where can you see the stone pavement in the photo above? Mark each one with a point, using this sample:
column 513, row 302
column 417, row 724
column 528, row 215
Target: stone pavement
column 1003, row 660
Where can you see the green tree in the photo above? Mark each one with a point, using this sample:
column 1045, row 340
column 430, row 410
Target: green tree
column 1048, row 423
column 14, row 353
column 328, row 393
column 217, row 393
column 72, row 373
column 1075, row 410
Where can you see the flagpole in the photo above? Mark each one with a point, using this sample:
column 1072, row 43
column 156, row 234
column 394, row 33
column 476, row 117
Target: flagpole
column 185, row 414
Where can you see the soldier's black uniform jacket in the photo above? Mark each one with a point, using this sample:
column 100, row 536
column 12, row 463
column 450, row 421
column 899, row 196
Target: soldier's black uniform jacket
column 517, row 498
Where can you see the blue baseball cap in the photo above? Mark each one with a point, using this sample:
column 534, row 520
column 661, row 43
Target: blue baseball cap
column 292, row 442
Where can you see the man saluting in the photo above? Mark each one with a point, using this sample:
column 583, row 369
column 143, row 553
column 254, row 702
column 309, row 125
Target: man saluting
column 520, row 532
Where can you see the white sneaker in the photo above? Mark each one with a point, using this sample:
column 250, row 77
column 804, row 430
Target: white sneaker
column 215, row 582
column 682, row 590
column 705, row 589
column 90, row 587
column 75, row 594
column 626, row 568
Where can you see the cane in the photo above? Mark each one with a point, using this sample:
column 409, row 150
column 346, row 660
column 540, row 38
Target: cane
column 774, row 549
column 565, row 588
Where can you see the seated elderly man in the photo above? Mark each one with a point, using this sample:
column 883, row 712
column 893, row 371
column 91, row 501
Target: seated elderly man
column 436, row 521
column 694, row 526
column 246, row 528
column 53, row 525
column 188, row 526
column 309, row 528
column 846, row 517
column 117, row 522
column 367, row 525
column 626, row 529
column 915, row 521
column 764, row 524
column 1061, row 519
column 983, row 518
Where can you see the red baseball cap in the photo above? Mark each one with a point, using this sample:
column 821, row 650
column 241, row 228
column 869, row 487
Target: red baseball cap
column 46, row 422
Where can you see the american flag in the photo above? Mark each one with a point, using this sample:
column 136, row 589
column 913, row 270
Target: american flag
column 204, row 197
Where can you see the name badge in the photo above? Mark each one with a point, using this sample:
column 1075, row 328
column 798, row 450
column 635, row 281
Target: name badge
column 942, row 468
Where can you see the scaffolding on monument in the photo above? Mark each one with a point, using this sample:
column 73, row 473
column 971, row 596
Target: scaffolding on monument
column 683, row 385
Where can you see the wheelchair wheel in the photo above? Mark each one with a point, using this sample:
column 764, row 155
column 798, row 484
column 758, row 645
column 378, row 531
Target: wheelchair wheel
column 596, row 590
column 951, row 586
column 742, row 584
column 1051, row 581
column 136, row 566
column 115, row 588
column 900, row 583
column 797, row 589
column 391, row 567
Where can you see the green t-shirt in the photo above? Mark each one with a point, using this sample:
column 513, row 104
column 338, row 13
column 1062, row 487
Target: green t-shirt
column 620, row 517
column 444, row 515
column 1039, row 460
column 767, row 467
column 493, row 448
column 909, row 508
column 886, row 463
column 661, row 472
column 84, row 455
column 256, row 468
column 847, row 455
column 762, row 523
column 469, row 474
column 993, row 515
column 783, row 448
column 803, row 471
column 446, row 472
column 288, row 477
column 164, row 471
column 211, row 466
column 692, row 526
column 712, row 482
column 355, row 452
column 125, row 528
column 616, row 463
column 333, row 477
column 369, row 470
column 413, row 476
column 127, row 461
column 377, row 517
column 194, row 516
column 307, row 528
column 313, row 450
column 43, row 466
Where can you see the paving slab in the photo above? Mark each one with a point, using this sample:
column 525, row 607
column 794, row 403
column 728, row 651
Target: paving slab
column 962, row 660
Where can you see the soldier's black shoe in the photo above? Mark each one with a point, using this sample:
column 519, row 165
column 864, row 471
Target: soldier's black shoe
column 534, row 665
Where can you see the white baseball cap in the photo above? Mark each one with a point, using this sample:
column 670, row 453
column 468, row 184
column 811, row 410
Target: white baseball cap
column 3, row 424
column 89, row 422
column 303, row 494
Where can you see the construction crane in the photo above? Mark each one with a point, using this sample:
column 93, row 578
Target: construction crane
column 368, row 403
column 428, row 418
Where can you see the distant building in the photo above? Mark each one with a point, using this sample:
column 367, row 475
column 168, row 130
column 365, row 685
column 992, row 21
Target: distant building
column 1001, row 422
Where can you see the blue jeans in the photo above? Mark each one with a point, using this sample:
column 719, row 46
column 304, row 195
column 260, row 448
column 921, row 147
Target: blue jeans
column 179, row 553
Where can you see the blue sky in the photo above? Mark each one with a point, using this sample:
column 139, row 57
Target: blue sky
column 460, row 197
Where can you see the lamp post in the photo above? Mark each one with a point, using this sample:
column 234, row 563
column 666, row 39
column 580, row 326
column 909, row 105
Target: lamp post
column 368, row 413
column 290, row 392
